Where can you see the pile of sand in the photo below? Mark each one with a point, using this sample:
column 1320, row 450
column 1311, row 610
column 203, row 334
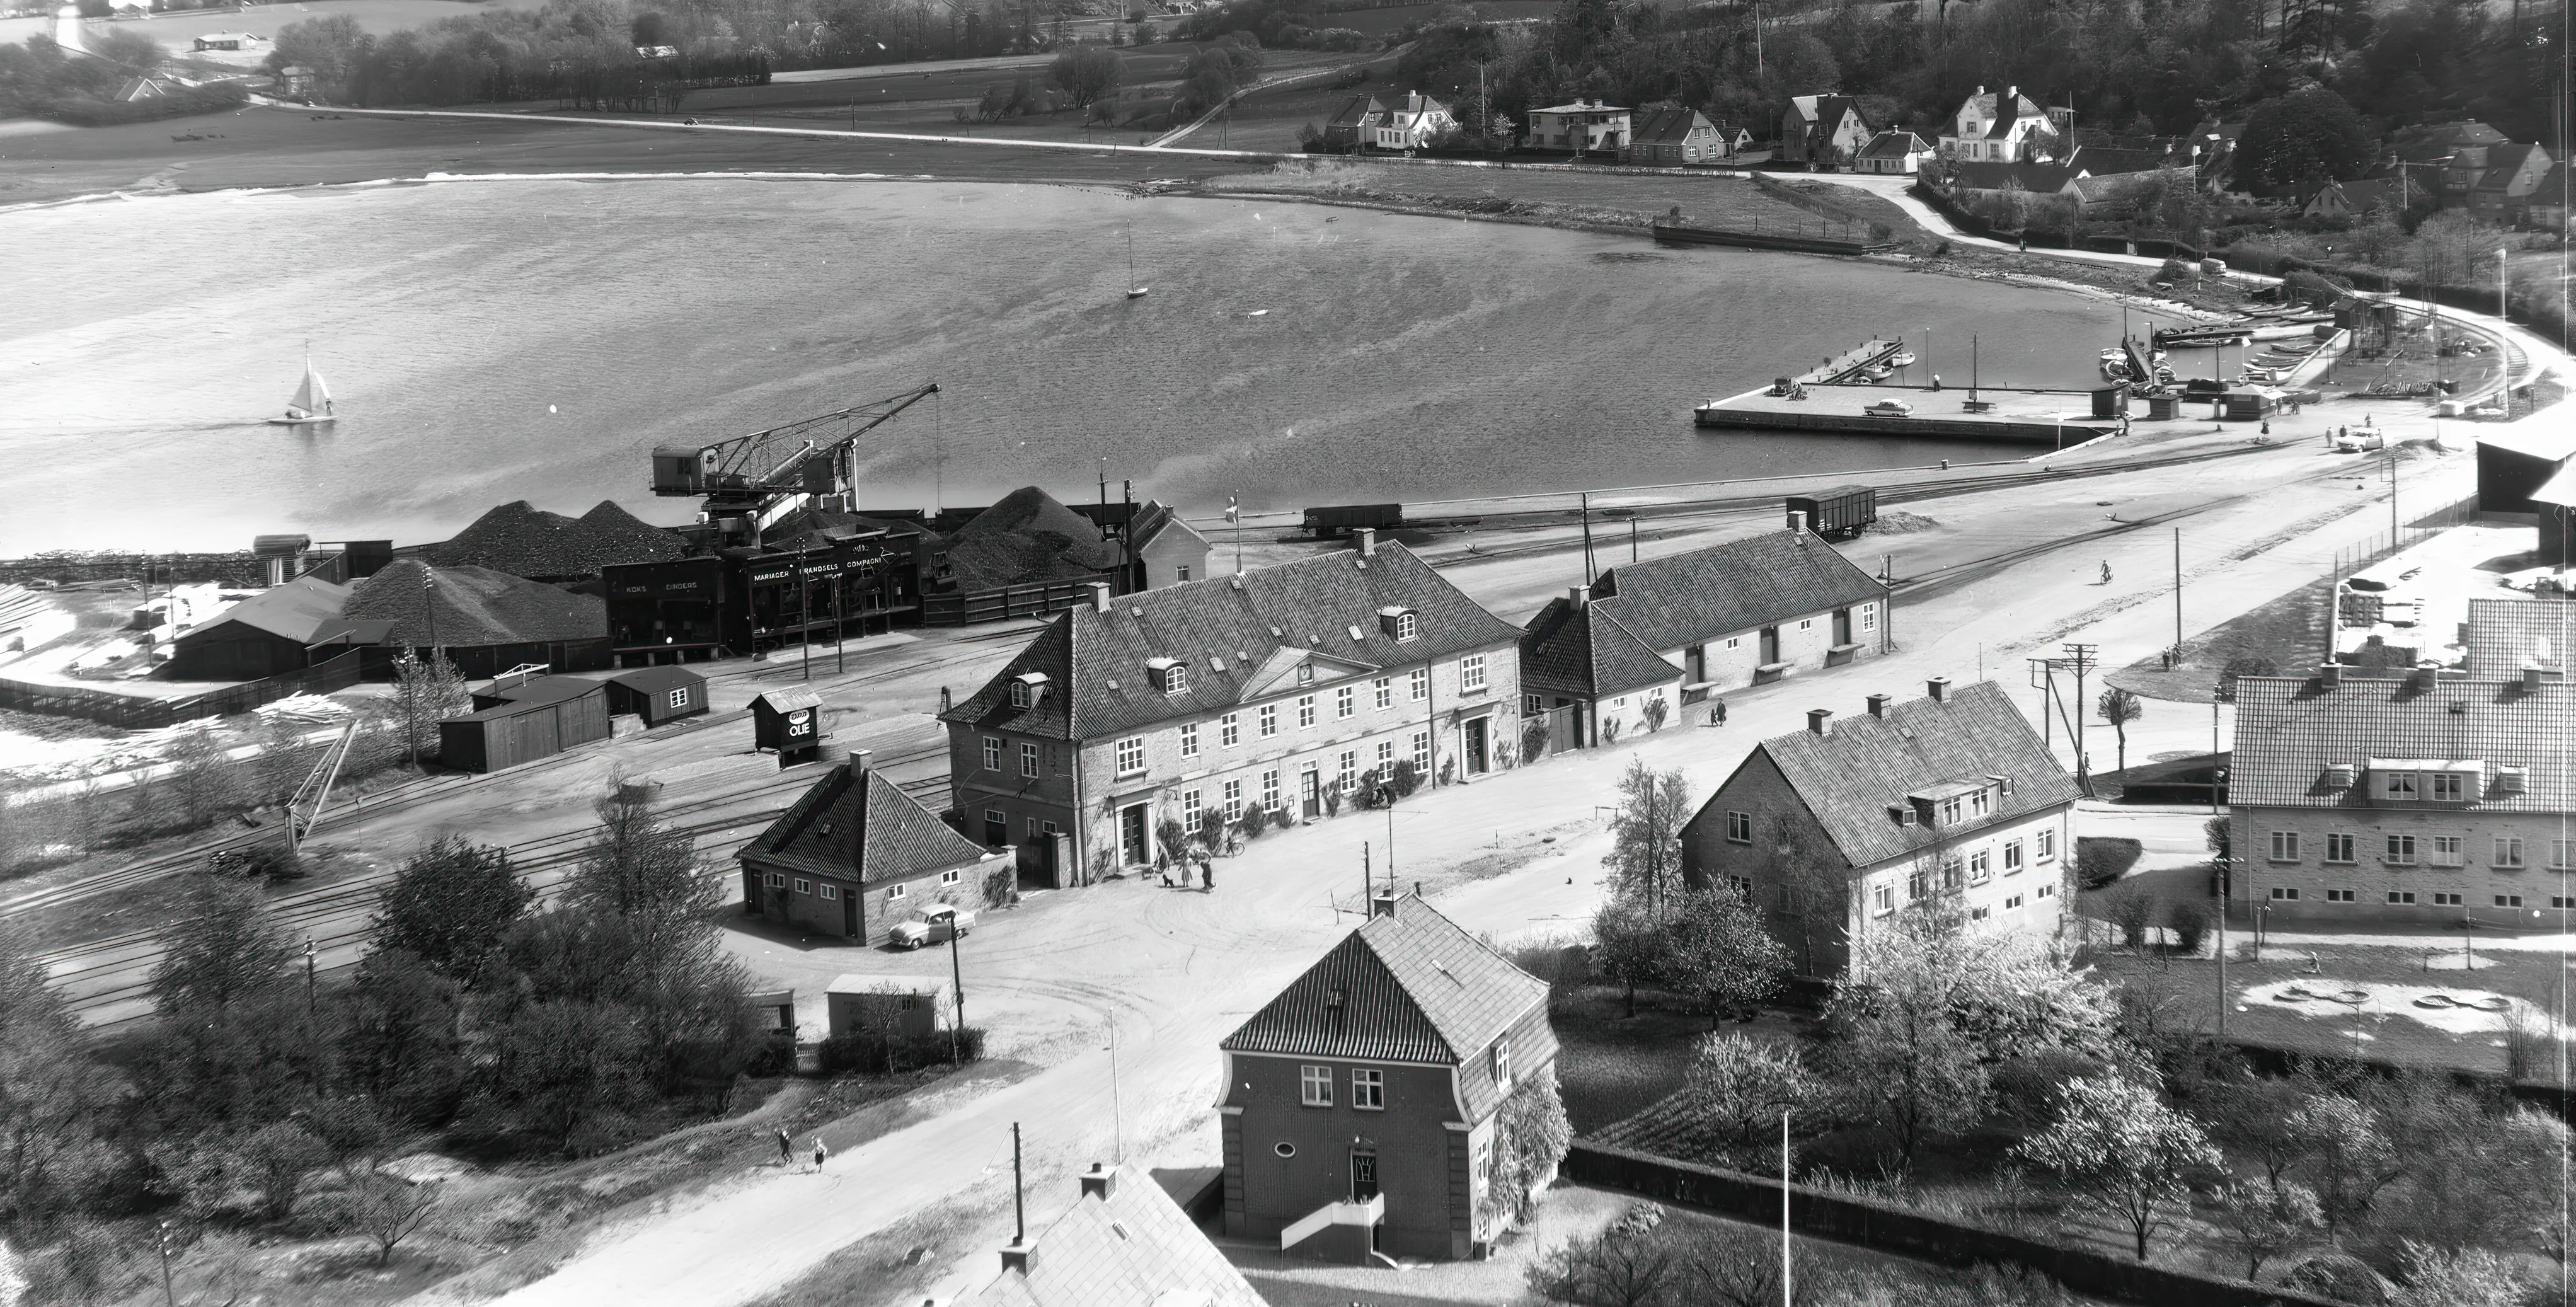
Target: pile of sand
column 523, row 540
column 474, row 605
column 1028, row 539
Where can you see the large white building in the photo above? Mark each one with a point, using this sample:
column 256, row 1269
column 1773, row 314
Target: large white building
column 2006, row 128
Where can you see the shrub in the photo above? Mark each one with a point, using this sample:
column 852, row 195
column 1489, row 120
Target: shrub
column 2243, row 665
column 1255, row 820
column 2133, row 911
column 1405, row 779
column 2189, row 921
column 2103, row 859
column 873, row 1052
column 1534, row 737
column 1657, row 709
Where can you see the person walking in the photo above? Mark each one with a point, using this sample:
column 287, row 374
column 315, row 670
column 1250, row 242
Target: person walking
column 786, row 1146
column 2106, row 571
column 1207, row 876
column 819, row 1154
column 1717, row 713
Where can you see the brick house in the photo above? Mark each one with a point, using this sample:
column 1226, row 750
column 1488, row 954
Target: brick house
column 2429, row 798
column 1747, row 612
column 1259, row 690
column 855, row 855
column 1123, row 1243
column 1949, row 800
column 2503, row 191
column 1826, row 130
column 1360, row 1105
column 2007, row 128
column 1585, row 126
column 1671, row 136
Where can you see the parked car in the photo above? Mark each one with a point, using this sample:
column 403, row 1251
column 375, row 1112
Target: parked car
column 1889, row 408
column 937, row 925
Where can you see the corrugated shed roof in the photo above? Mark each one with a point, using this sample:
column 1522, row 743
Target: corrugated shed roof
column 2505, row 634
column 542, row 690
column 294, row 611
column 1225, row 631
column 863, row 827
column 2290, row 730
column 1134, row 1247
column 654, row 680
column 1586, row 652
column 1412, row 987
column 1847, row 778
column 787, row 700
column 475, row 606
column 1682, row 599
column 513, row 707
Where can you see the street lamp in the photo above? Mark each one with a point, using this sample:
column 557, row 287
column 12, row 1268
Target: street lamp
column 309, row 952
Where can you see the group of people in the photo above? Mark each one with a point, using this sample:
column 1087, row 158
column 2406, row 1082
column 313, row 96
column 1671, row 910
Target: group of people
column 1181, row 863
column 787, row 1149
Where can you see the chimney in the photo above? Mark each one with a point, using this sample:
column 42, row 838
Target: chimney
column 1797, row 520
column 1939, row 688
column 1820, row 720
column 1981, row 89
column 2330, row 675
column 1099, row 596
column 1367, row 540
column 1382, row 903
column 1580, row 596
column 1015, row 1257
column 1878, row 705
column 2530, row 677
column 2422, row 679
column 2012, row 99
column 859, row 761
column 1100, row 1182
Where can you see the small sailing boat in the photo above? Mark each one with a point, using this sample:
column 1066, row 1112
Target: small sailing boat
column 312, row 403
column 1134, row 291
column 1902, row 358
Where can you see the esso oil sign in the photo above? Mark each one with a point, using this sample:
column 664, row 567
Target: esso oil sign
column 800, row 723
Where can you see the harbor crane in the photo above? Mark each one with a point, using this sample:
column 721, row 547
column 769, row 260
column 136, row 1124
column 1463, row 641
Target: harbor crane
column 752, row 481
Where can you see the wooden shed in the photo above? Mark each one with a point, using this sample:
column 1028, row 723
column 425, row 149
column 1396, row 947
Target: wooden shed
column 543, row 717
column 658, row 694
column 788, row 723
column 892, row 1005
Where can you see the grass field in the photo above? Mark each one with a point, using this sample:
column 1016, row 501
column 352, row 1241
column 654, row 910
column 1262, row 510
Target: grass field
column 1716, row 200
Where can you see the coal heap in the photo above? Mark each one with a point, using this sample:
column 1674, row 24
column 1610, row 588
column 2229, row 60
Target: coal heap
column 1028, row 539
column 474, row 606
column 523, row 540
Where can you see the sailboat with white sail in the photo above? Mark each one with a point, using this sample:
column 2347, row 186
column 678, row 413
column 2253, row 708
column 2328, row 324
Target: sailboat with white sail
column 312, row 403
column 1134, row 291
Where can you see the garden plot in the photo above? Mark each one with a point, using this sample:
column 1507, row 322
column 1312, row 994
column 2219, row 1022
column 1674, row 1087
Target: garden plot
column 2453, row 1011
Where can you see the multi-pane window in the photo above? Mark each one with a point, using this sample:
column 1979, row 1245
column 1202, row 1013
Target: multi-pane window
column 1270, row 790
column 2013, row 903
column 1471, row 672
column 1348, row 777
column 2508, row 850
column 2448, row 851
column 1869, row 617
column 1979, row 804
column 2401, row 896
column 1418, row 684
column 1315, row 1086
column 1883, row 900
column 1229, row 730
column 1407, row 626
column 1305, row 712
column 2444, row 899
column 1422, row 753
column 1980, row 914
column 1918, row 883
column 2508, row 900
column 949, row 877
column 832, row 893
column 2561, row 902
column 2562, row 855
column 2012, row 856
column 1498, row 1059
column 1028, row 760
column 1269, row 720
column 1234, row 800
column 1345, row 701
column 804, row 886
column 2285, row 846
column 677, row 698
column 1131, row 755
column 992, row 754
column 1950, row 811
column 777, row 880
column 1953, row 869
column 2447, row 787
column 2401, row 850
column 1739, row 827
column 2338, row 896
column 2285, row 893
column 2046, row 842
column 1743, row 889
column 1980, row 867
column 2397, row 785
column 1189, row 739
column 1192, row 804
column 1385, row 755
column 1368, row 1089
column 1384, row 688
column 2340, row 847
column 892, row 892
column 2045, row 889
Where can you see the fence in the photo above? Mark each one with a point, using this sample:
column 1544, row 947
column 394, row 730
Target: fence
column 1923, row 1236
column 134, row 714
column 2409, row 533
column 995, row 605
column 242, row 568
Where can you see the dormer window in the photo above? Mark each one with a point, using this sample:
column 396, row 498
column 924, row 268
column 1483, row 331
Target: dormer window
column 1170, row 675
column 2398, row 785
column 1402, row 623
column 1950, row 811
column 1028, row 690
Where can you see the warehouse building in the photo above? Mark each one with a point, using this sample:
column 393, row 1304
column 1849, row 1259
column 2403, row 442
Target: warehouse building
column 657, row 694
column 263, row 635
column 522, row 723
column 486, row 622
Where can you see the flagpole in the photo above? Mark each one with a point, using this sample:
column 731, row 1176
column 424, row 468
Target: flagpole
column 1234, row 511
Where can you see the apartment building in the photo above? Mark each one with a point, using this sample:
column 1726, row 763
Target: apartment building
column 1947, row 802
column 1269, row 689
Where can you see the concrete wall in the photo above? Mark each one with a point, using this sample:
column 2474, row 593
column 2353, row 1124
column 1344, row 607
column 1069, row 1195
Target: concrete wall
column 1416, row 1153
column 2371, row 876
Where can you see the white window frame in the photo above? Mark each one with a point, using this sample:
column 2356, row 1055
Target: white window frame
column 2012, row 857
column 1882, row 901
column 1981, row 867
column 1346, row 701
column 1868, row 618
column 1407, row 625
column 1498, row 1063
column 1305, row 712
column 2399, row 785
column 1189, row 739
column 951, row 876
column 804, row 886
column 1131, row 756
column 2402, row 897
column 1368, row 1089
column 2340, row 896
column 2345, row 842
column 2449, row 851
column 1314, row 1086
column 2044, row 844
column 1347, row 778
column 2285, row 846
column 1029, row 760
column 2444, row 898
column 2447, row 787
column 893, row 891
column 992, row 753
column 1384, row 687
column 2562, row 855
column 1234, row 800
column 828, row 892
column 1270, row 790
column 1176, row 678
column 1229, row 730
column 2508, row 851
column 1422, row 755
column 1418, row 684
column 1268, row 719
column 1193, row 802
column 2286, row 893
column 1471, row 673
column 678, row 698
column 2398, row 850
column 778, row 880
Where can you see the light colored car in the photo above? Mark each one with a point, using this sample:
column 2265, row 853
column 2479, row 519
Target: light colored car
column 936, row 925
column 1889, row 408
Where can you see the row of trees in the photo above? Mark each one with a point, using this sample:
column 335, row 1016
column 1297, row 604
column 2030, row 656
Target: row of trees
column 264, row 1100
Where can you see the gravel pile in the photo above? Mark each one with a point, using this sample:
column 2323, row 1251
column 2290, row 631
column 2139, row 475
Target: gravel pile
column 523, row 540
column 475, row 605
column 1028, row 539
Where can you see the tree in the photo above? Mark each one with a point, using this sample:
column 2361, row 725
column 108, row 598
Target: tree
column 1614, row 1269
column 48, row 1090
column 567, row 1071
column 638, row 867
column 133, row 53
column 1742, row 1085
column 225, row 950
column 401, row 1043
column 387, row 1209
column 1086, row 73
column 2260, row 1221
column 1645, row 833
column 2119, row 708
column 427, row 691
column 203, row 776
column 2348, row 1150
column 1627, row 944
column 450, row 905
column 2118, row 1148
column 331, row 47
column 1717, row 952
column 2300, row 141
column 2247, row 1114
column 1530, row 1139
column 1217, row 70
column 2457, row 1277
column 271, row 1161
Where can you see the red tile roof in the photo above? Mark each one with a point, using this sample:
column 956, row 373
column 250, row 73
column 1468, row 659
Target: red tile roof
column 1409, row 986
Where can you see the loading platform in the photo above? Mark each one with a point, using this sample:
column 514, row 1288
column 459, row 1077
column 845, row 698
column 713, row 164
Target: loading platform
column 2045, row 417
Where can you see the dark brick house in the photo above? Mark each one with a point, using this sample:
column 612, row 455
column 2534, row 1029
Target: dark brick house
column 855, row 855
column 1360, row 1108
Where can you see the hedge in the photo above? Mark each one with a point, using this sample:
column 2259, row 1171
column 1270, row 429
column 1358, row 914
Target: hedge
column 177, row 104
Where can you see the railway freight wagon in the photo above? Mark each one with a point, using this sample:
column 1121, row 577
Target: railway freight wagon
column 1835, row 514
column 544, row 717
column 1339, row 520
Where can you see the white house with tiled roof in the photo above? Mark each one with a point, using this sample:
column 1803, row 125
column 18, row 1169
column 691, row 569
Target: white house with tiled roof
column 2006, row 128
column 1950, row 802
column 1359, row 1109
column 1259, row 690
column 2426, row 798
column 1123, row 1243
column 854, row 855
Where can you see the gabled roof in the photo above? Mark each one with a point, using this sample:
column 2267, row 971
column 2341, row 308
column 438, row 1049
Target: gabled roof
column 2290, row 730
column 2506, row 162
column 542, row 690
column 475, row 606
column 1667, row 124
column 654, row 680
column 1681, row 599
column 1409, row 986
column 860, row 826
column 1124, row 1244
column 1586, row 653
column 1226, row 631
column 2108, row 161
column 1988, row 108
column 294, row 611
column 2434, row 142
column 1894, row 145
column 1362, row 110
column 2507, row 634
column 1848, row 777
column 1156, row 520
column 1581, row 106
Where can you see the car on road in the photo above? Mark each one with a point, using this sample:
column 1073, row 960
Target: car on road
column 1889, row 408
column 936, row 925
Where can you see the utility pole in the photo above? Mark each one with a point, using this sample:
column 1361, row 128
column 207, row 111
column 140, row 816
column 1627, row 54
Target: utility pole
column 1587, row 537
column 429, row 606
column 308, row 964
column 956, row 981
column 1117, row 1115
column 805, row 619
column 169, row 1295
column 2177, row 646
column 1019, row 1207
column 2080, row 656
column 1234, row 514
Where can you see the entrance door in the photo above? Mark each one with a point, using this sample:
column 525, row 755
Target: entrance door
column 1363, row 1175
column 850, row 911
column 1842, row 626
column 1310, row 793
column 1133, row 842
column 1698, row 660
column 1770, row 645
column 1476, row 750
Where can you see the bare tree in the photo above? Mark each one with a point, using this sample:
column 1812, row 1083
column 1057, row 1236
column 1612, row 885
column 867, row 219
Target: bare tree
column 387, row 1209
column 1086, row 73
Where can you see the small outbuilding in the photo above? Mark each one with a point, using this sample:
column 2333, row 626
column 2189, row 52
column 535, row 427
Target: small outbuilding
column 774, row 1010
column 856, row 855
column 788, row 723
column 889, row 1005
column 526, row 722
column 658, row 694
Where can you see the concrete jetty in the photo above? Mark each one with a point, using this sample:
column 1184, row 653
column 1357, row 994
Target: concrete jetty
column 2045, row 417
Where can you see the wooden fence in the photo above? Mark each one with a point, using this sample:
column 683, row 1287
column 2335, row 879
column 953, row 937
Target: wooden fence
column 132, row 712
column 968, row 608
